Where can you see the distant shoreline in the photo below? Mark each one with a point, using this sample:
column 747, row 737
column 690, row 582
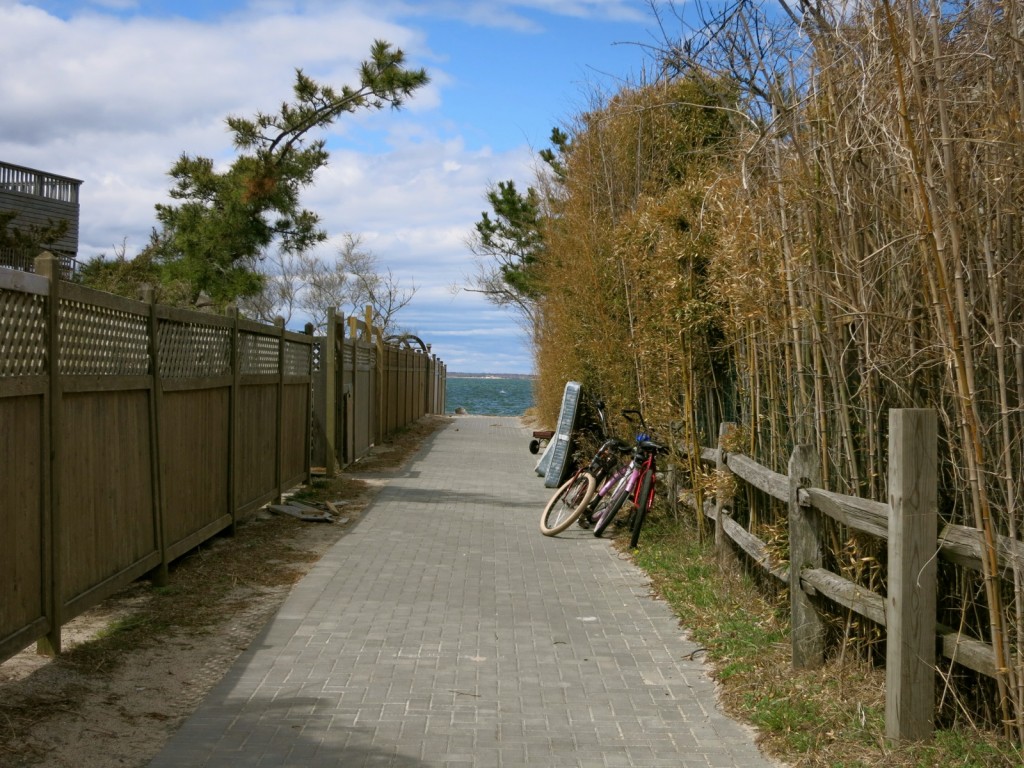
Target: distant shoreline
column 491, row 375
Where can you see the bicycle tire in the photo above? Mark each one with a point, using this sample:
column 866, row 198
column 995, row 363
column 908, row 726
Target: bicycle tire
column 568, row 503
column 643, row 502
column 610, row 506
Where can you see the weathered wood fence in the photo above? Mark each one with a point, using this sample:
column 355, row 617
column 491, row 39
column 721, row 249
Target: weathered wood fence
column 367, row 389
column 131, row 432
column 909, row 524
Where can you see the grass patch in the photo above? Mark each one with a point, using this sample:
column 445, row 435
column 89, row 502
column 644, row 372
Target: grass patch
column 828, row 718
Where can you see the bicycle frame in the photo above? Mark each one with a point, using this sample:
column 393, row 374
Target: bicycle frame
column 628, row 484
column 650, row 465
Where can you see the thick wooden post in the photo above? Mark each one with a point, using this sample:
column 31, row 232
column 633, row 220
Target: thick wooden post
column 805, row 547
column 378, row 414
column 722, row 473
column 307, row 464
column 46, row 265
column 329, row 358
column 910, row 602
column 375, row 336
column 234, row 405
column 279, row 438
column 346, row 392
column 159, row 574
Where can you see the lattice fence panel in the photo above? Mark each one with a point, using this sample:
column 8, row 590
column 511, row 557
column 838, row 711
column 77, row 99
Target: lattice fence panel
column 296, row 358
column 258, row 354
column 22, row 334
column 102, row 341
column 188, row 350
column 318, row 354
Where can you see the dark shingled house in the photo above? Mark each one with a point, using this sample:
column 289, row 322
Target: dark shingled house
column 40, row 199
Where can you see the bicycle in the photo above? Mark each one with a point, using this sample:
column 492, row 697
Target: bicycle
column 635, row 480
column 611, row 493
column 578, row 492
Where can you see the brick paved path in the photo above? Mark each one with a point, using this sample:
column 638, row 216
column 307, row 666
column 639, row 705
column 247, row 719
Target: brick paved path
column 445, row 630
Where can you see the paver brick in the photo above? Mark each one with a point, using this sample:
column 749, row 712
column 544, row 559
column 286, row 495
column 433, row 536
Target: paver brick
column 444, row 630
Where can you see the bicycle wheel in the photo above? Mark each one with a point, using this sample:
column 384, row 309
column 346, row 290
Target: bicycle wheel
column 568, row 503
column 643, row 502
column 610, row 505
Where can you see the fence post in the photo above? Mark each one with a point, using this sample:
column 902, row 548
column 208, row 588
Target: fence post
column 235, row 407
column 307, row 465
column 910, row 601
column 329, row 362
column 156, row 404
column 722, row 474
column 805, row 547
column 378, row 413
column 46, row 265
column 279, row 464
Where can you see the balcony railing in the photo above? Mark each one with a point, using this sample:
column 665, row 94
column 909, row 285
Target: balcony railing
column 15, row 178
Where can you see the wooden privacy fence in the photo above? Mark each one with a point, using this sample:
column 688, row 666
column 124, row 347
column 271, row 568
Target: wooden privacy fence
column 368, row 387
column 132, row 432
column 909, row 524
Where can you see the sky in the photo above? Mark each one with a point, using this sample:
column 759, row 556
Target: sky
column 112, row 92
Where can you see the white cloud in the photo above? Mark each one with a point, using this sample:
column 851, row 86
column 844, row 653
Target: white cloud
column 114, row 97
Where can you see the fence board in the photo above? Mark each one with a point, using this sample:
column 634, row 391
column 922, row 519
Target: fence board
column 194, row 443
column 109, row 523
column 772, row 483
column 24, row 386
column 256, row 455
column 22, row 557
column 295, row 433
column 860, row 514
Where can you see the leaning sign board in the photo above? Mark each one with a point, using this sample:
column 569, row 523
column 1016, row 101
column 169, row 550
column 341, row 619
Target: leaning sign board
column 553, row 463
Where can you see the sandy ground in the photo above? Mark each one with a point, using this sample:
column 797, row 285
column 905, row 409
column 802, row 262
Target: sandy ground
column 129, row 675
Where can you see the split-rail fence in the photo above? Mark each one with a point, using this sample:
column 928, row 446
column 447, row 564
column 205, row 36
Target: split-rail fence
column 131, row 433
column 908, row 522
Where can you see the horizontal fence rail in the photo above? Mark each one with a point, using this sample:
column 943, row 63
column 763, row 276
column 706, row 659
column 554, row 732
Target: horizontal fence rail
column 908, row 522
column 132, row 433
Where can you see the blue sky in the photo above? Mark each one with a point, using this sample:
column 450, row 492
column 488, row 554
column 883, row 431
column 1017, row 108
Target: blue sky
column 112, row 92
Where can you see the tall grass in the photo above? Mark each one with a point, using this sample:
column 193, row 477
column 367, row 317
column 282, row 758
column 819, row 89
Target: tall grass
column 798, row 227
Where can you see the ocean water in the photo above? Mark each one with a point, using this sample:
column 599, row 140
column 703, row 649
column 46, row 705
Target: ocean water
column 489, row 396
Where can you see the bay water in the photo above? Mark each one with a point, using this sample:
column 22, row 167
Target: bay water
column 489, row 395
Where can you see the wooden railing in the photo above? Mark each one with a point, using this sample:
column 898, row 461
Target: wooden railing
column 909, row 524
column 26, row 181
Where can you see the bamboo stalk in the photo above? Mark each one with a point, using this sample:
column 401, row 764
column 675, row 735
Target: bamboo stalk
column 934, row 247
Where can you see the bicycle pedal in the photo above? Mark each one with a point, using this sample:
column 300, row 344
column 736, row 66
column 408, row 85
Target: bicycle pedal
column 583, row 521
